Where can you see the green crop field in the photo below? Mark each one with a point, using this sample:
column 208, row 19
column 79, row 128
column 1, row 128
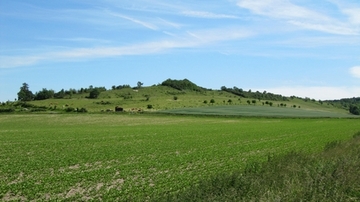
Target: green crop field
column 259, row 111
column 140, row 157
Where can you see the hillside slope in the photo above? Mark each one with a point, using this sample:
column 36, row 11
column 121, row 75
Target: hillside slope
column 157, row 98
column 173, row 94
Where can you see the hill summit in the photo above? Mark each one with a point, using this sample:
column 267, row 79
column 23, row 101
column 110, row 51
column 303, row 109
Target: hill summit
column 184, row 84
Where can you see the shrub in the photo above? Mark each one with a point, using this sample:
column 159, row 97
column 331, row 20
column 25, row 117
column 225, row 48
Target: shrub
column 40, row 109
column 354, row 110
column 94, row 93
column 6, row 110
column 82, row 110
column 70, row 109
column 24, row 104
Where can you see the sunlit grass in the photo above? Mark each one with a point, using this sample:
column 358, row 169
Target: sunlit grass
column 137, row 157
column 332, row 175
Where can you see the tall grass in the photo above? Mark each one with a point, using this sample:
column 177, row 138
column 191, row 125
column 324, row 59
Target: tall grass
column 332, row 175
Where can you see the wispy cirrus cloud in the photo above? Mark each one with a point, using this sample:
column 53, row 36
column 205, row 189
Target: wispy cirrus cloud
column 300, row 16
column 76, row 39
column 353, row 14
column 136, row 21
column 204, row 14
column 194, row 39
column 19, row 61
column 355, row 71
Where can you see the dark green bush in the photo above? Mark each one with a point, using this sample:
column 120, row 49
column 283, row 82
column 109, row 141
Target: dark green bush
column 40, row 109
column 7, row 110
column 82, row 110
column 70, row 109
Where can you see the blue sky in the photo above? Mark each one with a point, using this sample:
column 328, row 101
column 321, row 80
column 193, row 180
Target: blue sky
column 293, row 47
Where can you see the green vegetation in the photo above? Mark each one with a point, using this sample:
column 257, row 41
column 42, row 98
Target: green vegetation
column 354, row 110
column 135, row 157
column 256, row 95
column 182, row 85
column 353, row 104
column 25, row 93
column 332, row 175
column 134, row 146
column 258, row 111
column 170, row 94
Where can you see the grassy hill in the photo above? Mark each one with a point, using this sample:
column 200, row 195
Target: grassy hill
column 181, row 95
column 168, row 98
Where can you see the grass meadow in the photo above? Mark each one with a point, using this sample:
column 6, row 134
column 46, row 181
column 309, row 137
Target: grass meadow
column 143, row 157
column 162, row 98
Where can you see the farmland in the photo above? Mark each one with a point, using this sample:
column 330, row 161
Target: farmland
column 259, row 111
column 140, row 157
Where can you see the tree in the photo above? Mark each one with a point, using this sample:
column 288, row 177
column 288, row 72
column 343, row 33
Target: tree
column 139, row 84
column 147, row 97
column 94, row 93
column 212, row 101
column 248, row 101
column 25, row 94
column 253, row 101
column 229, row 101
column 44, row 94
column 60, row 94
column 354, row 110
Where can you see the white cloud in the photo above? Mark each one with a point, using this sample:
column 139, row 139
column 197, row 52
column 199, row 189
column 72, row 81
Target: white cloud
column 301, row 17
column 202, row 14
column 171, row 24
column 317, row 92
column 355, row 71
column 18, row 61
column 354, row 15
column 188, row 40
column 136, row 21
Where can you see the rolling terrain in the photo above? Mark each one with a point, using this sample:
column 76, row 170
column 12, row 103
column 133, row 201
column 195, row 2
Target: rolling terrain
column 174, row 96
column 177, row 143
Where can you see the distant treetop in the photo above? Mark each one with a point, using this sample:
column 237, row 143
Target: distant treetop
column 184, row 84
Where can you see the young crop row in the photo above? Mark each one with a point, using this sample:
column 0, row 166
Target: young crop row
column 138, row 157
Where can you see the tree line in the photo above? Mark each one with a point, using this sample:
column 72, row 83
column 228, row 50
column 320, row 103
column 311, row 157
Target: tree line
column 353, row 104
column 184, row 84
column 254, row 95
column 25, row 94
